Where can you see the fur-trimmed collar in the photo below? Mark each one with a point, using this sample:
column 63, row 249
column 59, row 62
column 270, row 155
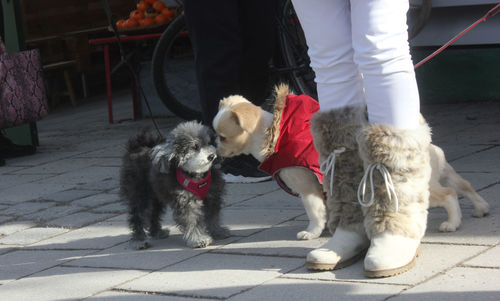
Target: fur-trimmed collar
column 273, row 131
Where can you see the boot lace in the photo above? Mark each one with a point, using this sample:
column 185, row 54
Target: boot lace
column 389, row 186
column 329, row 166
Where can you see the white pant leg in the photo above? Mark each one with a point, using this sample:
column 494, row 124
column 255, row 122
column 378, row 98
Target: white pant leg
column 327, row 27
column 382, row 53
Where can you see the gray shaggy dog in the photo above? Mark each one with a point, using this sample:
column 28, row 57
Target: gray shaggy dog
column 177, row 171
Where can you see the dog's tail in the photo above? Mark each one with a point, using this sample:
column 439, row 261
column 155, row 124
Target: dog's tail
column 144, row 141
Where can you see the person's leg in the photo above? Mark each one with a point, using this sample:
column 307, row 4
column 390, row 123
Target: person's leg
column 258, row 31
column 327, row 27
column 381, row 50
column 395, row 146
column 214, row 30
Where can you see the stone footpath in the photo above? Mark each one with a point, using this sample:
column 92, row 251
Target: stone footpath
column 63, row 232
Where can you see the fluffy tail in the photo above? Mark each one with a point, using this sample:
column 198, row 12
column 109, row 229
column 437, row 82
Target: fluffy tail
column 142, row 142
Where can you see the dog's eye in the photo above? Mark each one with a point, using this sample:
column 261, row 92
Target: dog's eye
column 222, row 138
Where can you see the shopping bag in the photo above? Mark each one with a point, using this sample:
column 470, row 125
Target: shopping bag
column 22, row 90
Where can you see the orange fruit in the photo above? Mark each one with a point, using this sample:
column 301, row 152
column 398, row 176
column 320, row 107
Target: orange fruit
column 120, row 24
column 131, row 23
column 161, row 19
column 169, row 13
column 158, row 6
column 137, row 14
column 142, row 5
column 147, row 22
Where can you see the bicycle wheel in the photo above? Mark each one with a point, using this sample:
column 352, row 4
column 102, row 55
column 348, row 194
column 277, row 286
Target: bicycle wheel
column 418, row 15
column 294, row 51
column 174, row 74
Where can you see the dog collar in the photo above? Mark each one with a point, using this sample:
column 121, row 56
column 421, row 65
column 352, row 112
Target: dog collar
column 197, row 187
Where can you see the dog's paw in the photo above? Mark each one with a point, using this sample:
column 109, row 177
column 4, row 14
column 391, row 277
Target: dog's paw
column 481, row 210
column 448, row 227
column 201, row 242
column 306, row 235
column 139, row 244
column 221, row 233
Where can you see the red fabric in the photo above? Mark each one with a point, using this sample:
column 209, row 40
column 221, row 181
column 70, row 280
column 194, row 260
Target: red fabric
column 197, row 187
column 294, row 146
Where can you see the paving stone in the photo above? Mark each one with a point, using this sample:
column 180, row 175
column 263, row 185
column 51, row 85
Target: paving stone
column 458, row 284
column 121, row 295
column 99, row 236
column 97, row 200
column 102, row 185
column 238, row 192
column 6, row 249
column 214, row 275
column 13, row 180
column 479, row 180
column 486, row 259
column 79, row 219
column 31, row 191
column 27, row 208
column 480, row 162
column 246, row 221
column 40, row 158
column 279, row 240
column 5, row 218
column 68, row 195
column 112, row 208
column 162, row 253
column 82, row 176
column 61, row 283
column 22, row 263
column 60, row 166
column 51, row 213
column 300, row 290
column 433, row 259
column 30, row 236
column 275, row 199
column 9, row 169
column 15, row 226
column 478, row 231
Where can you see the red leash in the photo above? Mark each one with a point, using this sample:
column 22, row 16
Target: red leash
column 492, row 12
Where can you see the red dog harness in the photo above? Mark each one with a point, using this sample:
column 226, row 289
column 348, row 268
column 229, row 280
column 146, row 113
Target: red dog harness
column 294, row 146
column 198, row 187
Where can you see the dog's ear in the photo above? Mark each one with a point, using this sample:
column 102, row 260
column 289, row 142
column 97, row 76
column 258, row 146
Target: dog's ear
column 247, row 115
column 163, row 156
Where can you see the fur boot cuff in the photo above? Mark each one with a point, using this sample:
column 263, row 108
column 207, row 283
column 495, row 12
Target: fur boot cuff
column 395, row 187
column 334, row 135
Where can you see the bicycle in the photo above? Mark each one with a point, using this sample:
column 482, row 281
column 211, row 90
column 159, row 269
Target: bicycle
column 173, row 67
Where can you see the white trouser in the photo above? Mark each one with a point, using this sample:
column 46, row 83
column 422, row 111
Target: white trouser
column 360, row 54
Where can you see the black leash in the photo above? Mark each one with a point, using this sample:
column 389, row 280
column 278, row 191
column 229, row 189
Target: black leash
column 126, row 60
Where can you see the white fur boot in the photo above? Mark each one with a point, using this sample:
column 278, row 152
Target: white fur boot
column 394, row 193
column 343, row 249
column 334, row 135
column 390, row 255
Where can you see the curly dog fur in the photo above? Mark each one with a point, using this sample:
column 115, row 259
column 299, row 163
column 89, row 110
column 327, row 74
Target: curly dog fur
column 148, row 183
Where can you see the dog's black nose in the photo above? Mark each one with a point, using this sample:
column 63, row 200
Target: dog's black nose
column 211, row 157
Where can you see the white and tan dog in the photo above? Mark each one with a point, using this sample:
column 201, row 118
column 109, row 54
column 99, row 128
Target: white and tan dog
column 244, row 128
column 444, row 185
